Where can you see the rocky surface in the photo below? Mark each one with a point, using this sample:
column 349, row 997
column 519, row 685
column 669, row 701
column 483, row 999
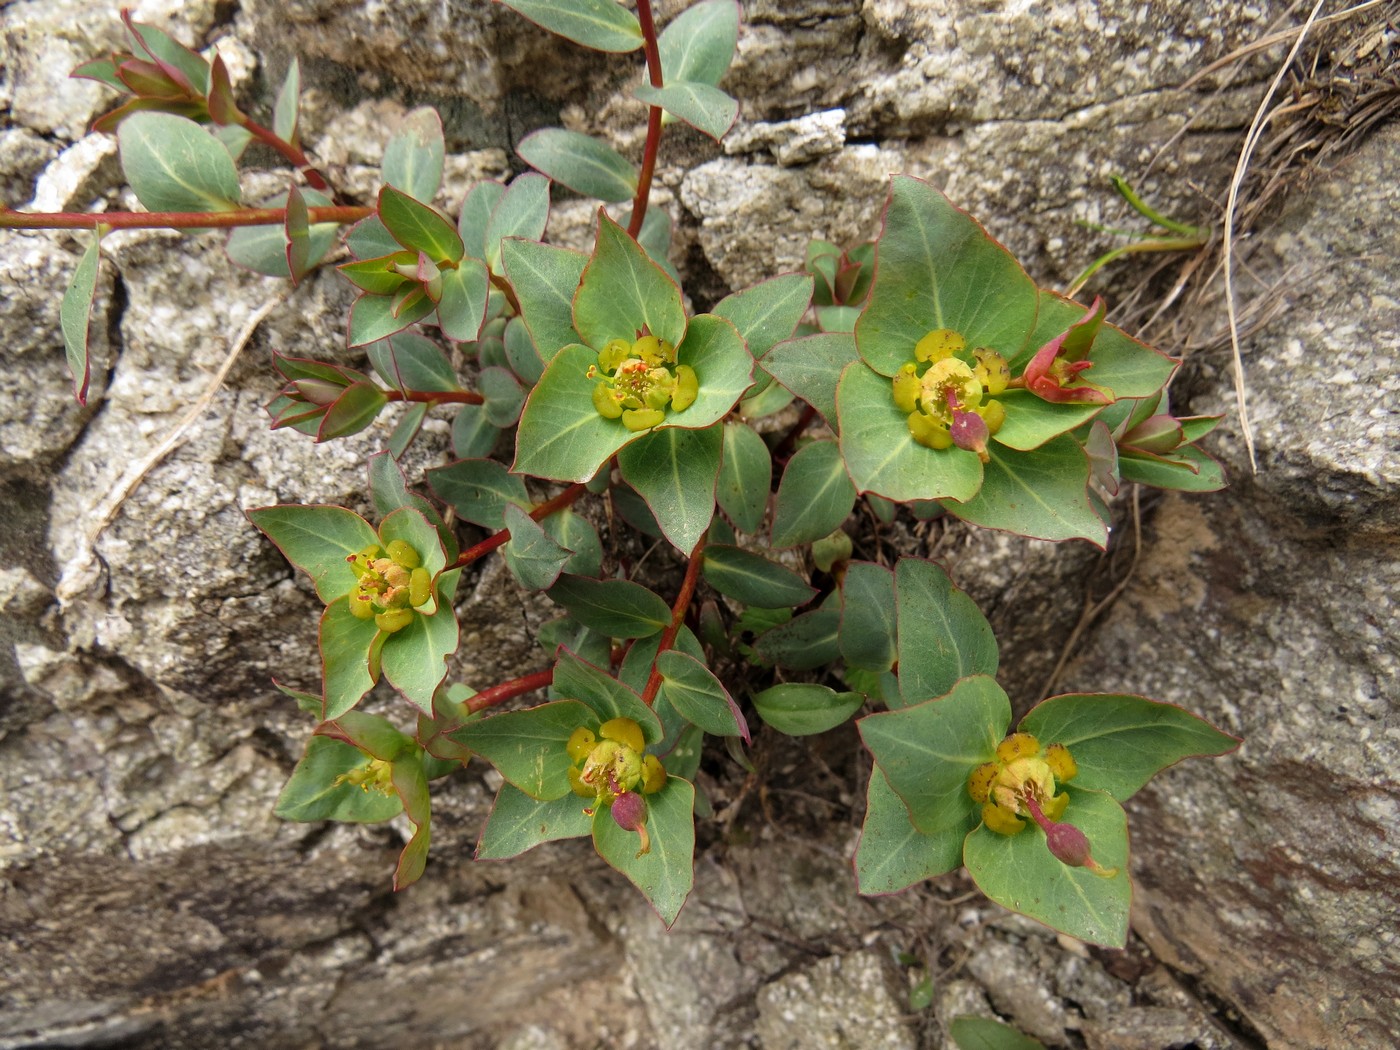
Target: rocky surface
column 149, row 899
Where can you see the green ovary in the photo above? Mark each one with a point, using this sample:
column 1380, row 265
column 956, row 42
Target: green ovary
column 944, row 380
column 639, row 382
column 390, row 583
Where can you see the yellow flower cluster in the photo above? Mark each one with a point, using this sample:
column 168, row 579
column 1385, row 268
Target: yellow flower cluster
column 948, row 392
column 391, row 584
column 1021, row 768
column 610, row 767
column 639, row 381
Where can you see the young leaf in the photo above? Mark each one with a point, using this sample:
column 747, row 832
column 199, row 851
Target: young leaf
column 520, row 351
column 528, row 747
column 942, row 635
column 1187, row 469
column 345, row 642
column 600, row 24
column 74, row 314
column 699, row 696
column 317, row 792
column 222, row 107
column 745, row 477
column 607, row 697
column 408, row 361
column 522, row 211
column 368, row 239
column 622, row 292
column 462, row 308
column 545, row 279
column 704, row 107
column 753, row 579
column 1120, row 742
column 1019, row 872
column 479, row 490
column 173, row 164
column 892, row 854
column 418, row 227
column 699, row 43
column 518, row 823
column 802, row 709
column 374, row 317
column 504, row 395
column 666, row 873
column 533, row 558
column 674, row 470
column 811, row 367
column 584, row 164
column 804, row 643
column 769, row 311
column 413, row 158
column 979, row 1033
column 356, row 408
column 1129, row 368
column 616, row 608
column 868, row 617
column 177, row 61
column 1041, row 494
column 927, row 751
column 814, row 497
column 297, row 230
column 284, row 110
column 477, row 206
column 317, row 540
column 473, row 435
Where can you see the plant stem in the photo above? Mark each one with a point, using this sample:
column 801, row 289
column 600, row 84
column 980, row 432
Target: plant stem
column 499, row 694
column 544, row 510
column 171, row 220
column 437, row 397
column 653, row 143
column 678, row 611
column 293, row 154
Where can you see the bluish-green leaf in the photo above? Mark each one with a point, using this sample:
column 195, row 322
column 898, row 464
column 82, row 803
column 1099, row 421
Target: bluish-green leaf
column 372, row 317
column 408, row 361
column 263, row 249
column 473, row 435
column 368, row 239
column 528, row 747
column 74, row 314
column 358, row 405
column 561, row 434
column 317, row 792
column 704, row 107
column 463, row 305
column 753, row 579
column 479, row 490
column 803, row 643
column 389, row 490
column 698, row 44
column 814, row 497
column 868, row 617
column 622, row 292
column 745, row 477
column 604, row 695
column 586, row 165
column 576, row 533
column 666, row 873
column 1187, row 469
column 545, row 279
column 522, row 211
column 675, row 470
column 617, row 608
column 602, row 25
column 979, row 1033
column 413, row 158
column 805, row 709
column 477, row 206
column 520, row 351
column 504, row 395
column 317, row 540
column 345, row 642
column 415, row 658
column 928, row 750
column 518, row 823
column 942, row 635
column 173, row 164
column 811, row 367
column 418, row 227
column 699, row 696
column 284, row 109
column 533, row 558
column 892, row 854
column 713, row 347
column 767, row 313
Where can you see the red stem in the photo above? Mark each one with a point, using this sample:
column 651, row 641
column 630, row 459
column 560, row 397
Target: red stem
column 294, row 154
column 171, row 220
column 437, row 397
column 678, row 611
column 653, row 143
column 499, row 694
column 544, row 510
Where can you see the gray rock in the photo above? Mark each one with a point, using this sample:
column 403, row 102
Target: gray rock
column 845, row 1002
column 23, row 155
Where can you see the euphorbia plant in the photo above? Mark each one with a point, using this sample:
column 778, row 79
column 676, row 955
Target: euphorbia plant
column 929, row 373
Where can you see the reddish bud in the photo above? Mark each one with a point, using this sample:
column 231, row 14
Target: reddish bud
column 1068, row 844
column 969, row 431
column 629, row 809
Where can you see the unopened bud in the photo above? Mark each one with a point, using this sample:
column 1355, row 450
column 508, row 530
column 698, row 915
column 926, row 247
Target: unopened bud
column 969, row 431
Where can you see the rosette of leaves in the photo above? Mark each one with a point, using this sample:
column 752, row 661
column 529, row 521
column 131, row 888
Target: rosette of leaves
column 937, row 270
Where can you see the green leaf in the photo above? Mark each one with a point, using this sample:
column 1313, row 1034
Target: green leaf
column 418, row 227
column 811, row 367
column 345, row 642
column 881, row 455
column 528, row 747
column 769, row 311
column 74, row 314
column 379, row 276
column 372, row 317
column 315, row 791
column 1187, row 469
column 803, row 643
column 420, row 532
column 766, row 397
column 520, row 351
column 415, row 658
column 179, row 62
column 545, row 278
column 978, row 1033
column 942, row 635
column 600, row 24
column 479, row 490
column 1031, row 421
column 473, row 435
column 317, row 540
column 284, row 109
column 699, row 43
column 411, row 783
column 868, row 617
column 522, row 211
column 584, row 164
column 838, row 318
column 745, row 477
column 504, row 395
column 928, row 750
column 753, row 579
column 723, row 366
column 675, row 471
column 616, row 608
column 622, row 291
column 413, row 158
column 375, row 735
column 937, row 268
column 406, row 429
column 1121, row 741
column 561, row 434
column 297, row 230
column 699, row 696
column 408, row 361
column 518, row 823
column 607, row 697
column 462, row 308
column 814, row 497
column 368, row 239
column 892, row 854
column 533, row 558
column 233, row 137
column 477, row 206
column 804, row 709
column 357, row 407
column 704, row 107
column 173, row 164
column 1041, row 494
column 576, row 534
column 664, row 875
column 389, row 491
column 566, row 632
column 1019, row 872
